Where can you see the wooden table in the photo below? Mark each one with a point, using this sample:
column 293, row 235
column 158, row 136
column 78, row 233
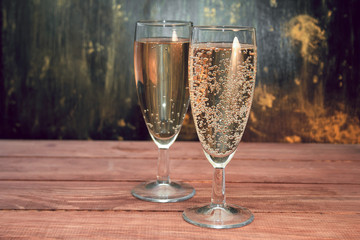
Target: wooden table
column 81, row 190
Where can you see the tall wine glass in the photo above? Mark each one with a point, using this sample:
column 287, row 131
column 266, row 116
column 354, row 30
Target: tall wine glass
column 222, row 68
column 161, row 52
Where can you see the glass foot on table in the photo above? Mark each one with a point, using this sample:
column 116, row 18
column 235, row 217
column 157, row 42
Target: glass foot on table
column 163, row 192
column 215, row 216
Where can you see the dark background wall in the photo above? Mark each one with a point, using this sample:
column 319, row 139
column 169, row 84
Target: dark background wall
column 67, row 67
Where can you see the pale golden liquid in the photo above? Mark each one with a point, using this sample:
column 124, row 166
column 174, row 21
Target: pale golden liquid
column 221, row 91
column 161, row 75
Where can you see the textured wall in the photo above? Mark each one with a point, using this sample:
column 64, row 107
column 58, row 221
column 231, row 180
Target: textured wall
column 67, row 67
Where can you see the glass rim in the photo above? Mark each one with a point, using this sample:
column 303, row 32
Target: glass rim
column 164, row 23
column 225, row 28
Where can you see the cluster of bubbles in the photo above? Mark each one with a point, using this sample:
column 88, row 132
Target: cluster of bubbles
column 165, row 124
column 163, row 93
column 221, row 90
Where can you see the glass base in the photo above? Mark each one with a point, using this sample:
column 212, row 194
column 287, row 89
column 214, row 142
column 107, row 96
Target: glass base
column 217, row 216
column 163, row 192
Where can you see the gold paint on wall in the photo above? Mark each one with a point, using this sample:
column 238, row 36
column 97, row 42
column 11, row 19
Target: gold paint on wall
column 68, row 67
column 338, row 128
column 304, row 30
column 273, row 3
column 263, row 97
column 300, row 110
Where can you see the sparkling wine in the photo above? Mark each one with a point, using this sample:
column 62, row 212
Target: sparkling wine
column 161, row 75
column 222, row 80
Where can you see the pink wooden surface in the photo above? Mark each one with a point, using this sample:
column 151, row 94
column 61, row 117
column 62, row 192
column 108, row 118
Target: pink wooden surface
column 81, row 190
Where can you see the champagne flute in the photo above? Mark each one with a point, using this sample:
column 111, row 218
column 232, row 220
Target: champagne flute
column 222, row 69
column 161, row 52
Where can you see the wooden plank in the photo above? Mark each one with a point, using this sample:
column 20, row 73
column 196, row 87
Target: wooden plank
column 125, row 169
column 170, row 225
column 299, row 198
column 183, row 150
column 284, row 185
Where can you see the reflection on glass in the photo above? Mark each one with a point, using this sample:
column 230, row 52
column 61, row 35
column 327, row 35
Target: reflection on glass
column 222, row 69
column 161, row 73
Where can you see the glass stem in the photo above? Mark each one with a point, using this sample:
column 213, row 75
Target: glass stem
column 218, row 187
column 163, row 166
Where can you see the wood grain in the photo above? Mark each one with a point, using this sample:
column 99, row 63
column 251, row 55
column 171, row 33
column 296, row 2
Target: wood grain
column 81, row 190
column 289, row 198
column 170, row 225
column 125, row 161
column 110, row 169
column 182, row 150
